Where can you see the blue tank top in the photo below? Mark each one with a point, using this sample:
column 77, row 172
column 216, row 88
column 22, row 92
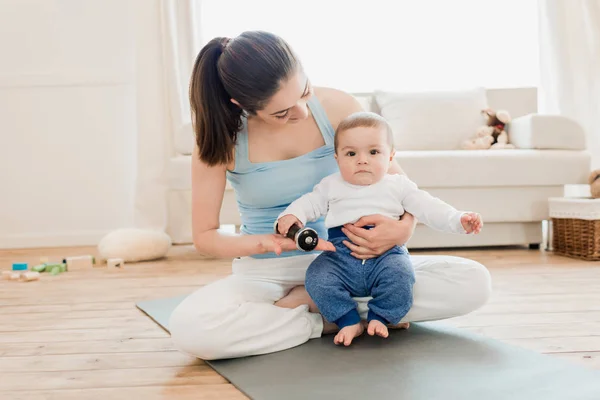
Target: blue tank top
column 263, row 190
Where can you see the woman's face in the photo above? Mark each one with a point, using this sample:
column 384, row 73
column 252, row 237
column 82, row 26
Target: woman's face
column 288, row 105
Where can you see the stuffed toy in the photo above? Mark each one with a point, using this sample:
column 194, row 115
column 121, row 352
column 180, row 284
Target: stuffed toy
column 493, row 134
column 498, row 120
column 594, row 182
column 483, row 139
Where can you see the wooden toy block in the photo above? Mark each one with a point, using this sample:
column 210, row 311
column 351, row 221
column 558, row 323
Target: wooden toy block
column 14, row 276
column 39, row 268
column 54, row 270
column 19, row 267
column 30, row 276
column 115, row 263
column 79, row 262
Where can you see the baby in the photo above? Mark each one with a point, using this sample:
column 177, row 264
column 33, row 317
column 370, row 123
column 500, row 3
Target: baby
column 364, row 150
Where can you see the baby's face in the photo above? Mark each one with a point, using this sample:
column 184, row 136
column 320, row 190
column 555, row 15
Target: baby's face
column 363, row 155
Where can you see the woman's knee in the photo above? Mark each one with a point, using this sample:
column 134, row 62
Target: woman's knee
column 197, row 324
column 477, row 285
column 196, row 329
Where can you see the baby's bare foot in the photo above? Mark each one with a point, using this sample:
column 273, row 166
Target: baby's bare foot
column 377, row 328
column 348, row 333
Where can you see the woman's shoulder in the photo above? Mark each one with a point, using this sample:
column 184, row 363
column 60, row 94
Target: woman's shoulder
column 337, row 104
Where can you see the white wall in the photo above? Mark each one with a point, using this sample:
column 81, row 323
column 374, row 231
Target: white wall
column 70, row 114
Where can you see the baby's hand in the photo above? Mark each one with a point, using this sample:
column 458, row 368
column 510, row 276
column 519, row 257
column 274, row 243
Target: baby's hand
column 285, row 223
column 471, row 222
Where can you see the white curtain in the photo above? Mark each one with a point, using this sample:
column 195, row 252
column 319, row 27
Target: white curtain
column 180, row 45
column 165, row 51
column 570, row 64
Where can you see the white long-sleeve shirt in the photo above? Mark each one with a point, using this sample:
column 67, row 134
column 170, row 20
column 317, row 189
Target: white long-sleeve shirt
column 343, row 202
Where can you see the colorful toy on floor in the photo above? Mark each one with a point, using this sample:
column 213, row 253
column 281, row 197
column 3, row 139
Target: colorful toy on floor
column 52, row 268
column 9, row 275
column 30, row 276
column 87, row 261
column 19, row 272
column 19, row 267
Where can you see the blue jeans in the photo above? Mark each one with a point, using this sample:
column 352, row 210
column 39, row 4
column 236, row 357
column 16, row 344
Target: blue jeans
column 333, row 278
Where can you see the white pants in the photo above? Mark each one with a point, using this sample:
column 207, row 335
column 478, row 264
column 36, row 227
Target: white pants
column 236, row 317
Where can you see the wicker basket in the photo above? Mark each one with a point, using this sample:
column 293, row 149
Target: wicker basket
column 576, row 227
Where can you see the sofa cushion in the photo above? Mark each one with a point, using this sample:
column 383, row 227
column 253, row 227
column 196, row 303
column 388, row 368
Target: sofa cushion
column 472, row 168
column 367, row 102
column 461, row 168
column 432, row 120
column 535, row 131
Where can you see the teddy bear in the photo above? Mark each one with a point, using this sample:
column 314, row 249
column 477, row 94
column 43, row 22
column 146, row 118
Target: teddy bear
column 483, row 139
column 498, row 120
column 493, row 134
column 594, row 182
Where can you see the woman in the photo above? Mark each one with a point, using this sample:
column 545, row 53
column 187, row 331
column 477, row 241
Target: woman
column 261, row 125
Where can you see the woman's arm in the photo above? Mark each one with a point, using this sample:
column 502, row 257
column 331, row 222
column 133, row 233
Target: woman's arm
column 208, row 186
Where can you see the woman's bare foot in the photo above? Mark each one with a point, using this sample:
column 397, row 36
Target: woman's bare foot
column 402, row 325
column 296, row 297
column 299, row 296
column 377, row 328
column 329, row 327
column 348, row 333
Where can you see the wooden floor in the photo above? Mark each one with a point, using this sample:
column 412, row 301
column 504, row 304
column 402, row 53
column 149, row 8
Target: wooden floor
column 78, row 335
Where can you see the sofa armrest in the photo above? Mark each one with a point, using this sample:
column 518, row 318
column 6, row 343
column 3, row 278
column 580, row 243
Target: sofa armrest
column 535, row 131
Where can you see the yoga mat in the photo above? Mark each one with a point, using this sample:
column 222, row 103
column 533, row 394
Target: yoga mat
column 426, row 362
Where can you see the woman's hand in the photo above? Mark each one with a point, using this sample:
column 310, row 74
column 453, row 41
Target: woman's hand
column 386, row 233
column 278, row 244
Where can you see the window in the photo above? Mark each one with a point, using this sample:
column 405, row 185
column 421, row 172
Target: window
column 401, row 45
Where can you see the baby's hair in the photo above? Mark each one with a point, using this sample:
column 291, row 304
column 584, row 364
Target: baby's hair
column 364, row 119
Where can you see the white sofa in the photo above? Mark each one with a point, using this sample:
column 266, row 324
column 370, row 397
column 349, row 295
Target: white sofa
column 509, row 188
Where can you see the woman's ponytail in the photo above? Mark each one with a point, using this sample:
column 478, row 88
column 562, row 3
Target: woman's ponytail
column 215, row 118
column 248, row 69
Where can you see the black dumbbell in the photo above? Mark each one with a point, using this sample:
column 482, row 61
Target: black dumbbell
column 306, row 238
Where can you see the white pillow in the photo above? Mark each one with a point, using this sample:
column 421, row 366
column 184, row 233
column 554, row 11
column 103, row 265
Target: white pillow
column 432, row 120
column 367, row 102
column 133, row 245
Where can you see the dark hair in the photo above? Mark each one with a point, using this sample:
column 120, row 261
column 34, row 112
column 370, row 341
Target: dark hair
column 364, row 119
column 249, row 69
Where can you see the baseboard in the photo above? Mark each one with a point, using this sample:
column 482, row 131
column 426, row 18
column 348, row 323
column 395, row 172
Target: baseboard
column 54, row 239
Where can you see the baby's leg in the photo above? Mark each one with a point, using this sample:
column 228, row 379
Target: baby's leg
column 331, row 285
column 392, row 279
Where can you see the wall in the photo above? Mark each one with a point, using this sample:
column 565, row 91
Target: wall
column 70, row 111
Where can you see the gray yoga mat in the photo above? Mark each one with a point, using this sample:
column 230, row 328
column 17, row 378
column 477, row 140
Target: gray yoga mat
column 429, row 361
